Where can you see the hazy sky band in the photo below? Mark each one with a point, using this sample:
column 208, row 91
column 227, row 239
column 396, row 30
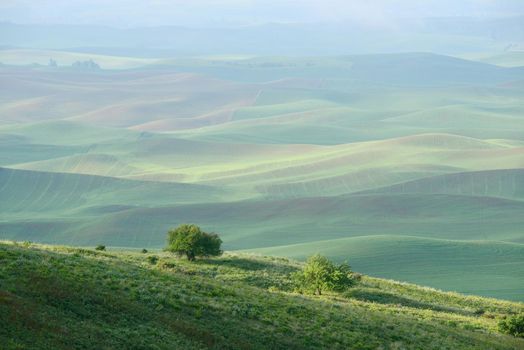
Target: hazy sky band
column 128, row 13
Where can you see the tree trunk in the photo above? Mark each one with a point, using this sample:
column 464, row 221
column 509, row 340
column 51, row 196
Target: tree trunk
column 190, row 256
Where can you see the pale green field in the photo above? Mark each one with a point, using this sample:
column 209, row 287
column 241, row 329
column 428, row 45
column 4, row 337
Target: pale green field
column 506, row 59
column 64, row 58
column 410, row 166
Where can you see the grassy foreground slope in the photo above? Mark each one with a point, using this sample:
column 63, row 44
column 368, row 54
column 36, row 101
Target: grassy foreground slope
column 63, row 298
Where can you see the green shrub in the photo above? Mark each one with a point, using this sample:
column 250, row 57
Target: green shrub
column 152, row 259
column 144, row 251
column 513, row 325
column 167, row 265
column 321, row 274
column 191, row 241
column 100, row 247
column 479, row 312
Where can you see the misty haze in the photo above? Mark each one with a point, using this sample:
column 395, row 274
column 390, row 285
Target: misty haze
column 248, row 174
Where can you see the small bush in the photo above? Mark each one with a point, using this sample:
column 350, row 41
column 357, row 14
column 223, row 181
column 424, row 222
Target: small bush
column 479, row 312
column 152, row 259
column 167, row 265
column 100, row 247
column 321, row 274
column 144, row 251
column 513, row 325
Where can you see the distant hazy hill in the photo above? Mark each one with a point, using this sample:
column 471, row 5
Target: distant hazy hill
column 444, row 35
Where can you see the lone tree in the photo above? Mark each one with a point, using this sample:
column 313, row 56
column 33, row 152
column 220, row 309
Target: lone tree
column 191, row 241
column 320, row 274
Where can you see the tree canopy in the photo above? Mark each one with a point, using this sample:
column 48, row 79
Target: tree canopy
column 191, row 241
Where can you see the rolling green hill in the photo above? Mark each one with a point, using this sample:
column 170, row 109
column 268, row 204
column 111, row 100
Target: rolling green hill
column 415, row 152
column 40, row 192
column 434, row 228
column 506, row 183
column 63, row 297
column 404, row 69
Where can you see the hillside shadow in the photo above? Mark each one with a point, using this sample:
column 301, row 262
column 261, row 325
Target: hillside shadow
column 387, row 298
column 242, row 263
